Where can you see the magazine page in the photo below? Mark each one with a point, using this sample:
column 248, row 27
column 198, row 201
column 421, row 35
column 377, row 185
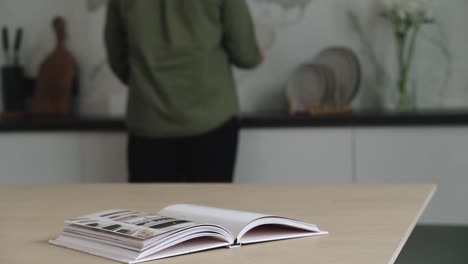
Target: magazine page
column 188, row 247
column 273, row 233
column 276, row 228
column 183, row 245
column 129, row 236
column 131, row 224
column 97, row 249
column 246, row 227
column 232, row 220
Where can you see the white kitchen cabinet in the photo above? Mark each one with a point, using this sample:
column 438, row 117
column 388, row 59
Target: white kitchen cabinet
column 295, row 156
column 104, row 157
column 55, row 158
column 419, row 155
column 36, row 158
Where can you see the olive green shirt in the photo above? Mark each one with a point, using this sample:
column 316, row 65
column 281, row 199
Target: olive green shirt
column 176, row 57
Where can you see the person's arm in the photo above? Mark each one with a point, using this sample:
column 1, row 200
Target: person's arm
column 116, row 42
column 240, row 40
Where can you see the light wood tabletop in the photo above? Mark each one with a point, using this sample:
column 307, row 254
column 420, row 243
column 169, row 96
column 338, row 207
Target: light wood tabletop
column 367, row 223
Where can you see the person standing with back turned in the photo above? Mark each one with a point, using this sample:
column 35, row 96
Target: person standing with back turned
column 176, row 57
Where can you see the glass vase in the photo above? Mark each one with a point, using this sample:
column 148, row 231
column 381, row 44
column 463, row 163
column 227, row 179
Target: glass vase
column 405, row 95
column 406, row 102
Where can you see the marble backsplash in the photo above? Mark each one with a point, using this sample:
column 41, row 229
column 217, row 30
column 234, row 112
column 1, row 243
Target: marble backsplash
column 291, row 32
column 439, row 78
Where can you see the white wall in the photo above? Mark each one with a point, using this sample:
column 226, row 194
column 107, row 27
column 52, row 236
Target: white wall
column 292, row 37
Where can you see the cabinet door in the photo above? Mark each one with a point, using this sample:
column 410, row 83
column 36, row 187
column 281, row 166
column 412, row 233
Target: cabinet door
column 39, row 158
column 419, row 155
column 294, row 156
column 104, row 157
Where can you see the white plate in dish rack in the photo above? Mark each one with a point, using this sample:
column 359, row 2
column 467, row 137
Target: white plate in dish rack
column 307, row 86
column 339, row 64
column 346, row 68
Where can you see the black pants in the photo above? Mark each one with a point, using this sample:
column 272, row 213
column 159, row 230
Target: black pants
column 209, row 157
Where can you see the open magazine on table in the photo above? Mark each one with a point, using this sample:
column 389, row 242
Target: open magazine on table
column 134, row 237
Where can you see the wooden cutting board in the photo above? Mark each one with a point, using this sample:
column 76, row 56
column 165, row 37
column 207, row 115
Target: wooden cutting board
column 54, row 85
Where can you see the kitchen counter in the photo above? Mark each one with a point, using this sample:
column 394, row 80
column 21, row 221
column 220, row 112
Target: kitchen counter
column 69, row 124
column 358, row 119
column 14, row 124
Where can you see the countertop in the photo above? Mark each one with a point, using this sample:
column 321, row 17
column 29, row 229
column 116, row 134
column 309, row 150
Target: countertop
column 367, row 223
column 23, row 123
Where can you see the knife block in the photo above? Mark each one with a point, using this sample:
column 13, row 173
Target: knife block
column 14, row 89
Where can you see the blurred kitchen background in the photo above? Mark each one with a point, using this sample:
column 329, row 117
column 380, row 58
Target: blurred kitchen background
column 291, row 31
column 376, row 143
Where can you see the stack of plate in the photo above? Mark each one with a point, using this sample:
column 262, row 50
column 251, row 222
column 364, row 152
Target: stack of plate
column 332, row 79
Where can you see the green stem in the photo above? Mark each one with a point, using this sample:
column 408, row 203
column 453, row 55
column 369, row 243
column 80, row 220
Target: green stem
column 406, row 66
column 405, row 59
column 412, row 48
column 400, row 43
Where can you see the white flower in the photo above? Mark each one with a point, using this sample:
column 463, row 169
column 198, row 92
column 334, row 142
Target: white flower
column 401, row 14
column 408, row 9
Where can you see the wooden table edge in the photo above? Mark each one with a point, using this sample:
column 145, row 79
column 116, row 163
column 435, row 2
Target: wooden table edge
column 411, row 228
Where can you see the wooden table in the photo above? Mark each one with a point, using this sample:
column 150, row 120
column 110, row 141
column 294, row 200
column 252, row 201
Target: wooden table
column 367, row 223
